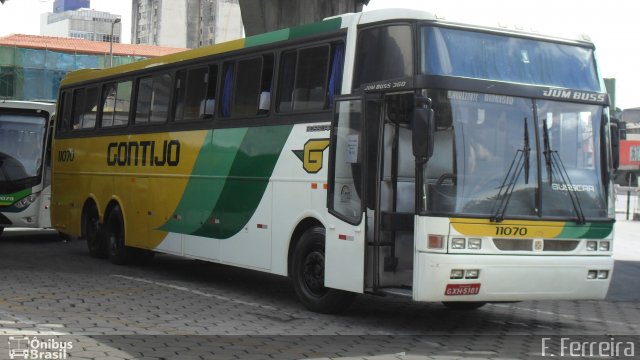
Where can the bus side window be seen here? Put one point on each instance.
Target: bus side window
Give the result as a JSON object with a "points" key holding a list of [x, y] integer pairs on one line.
{"points": [[116, 104], [247, 87], [227, 89], [108, 105], [286, 81], [85, 108], [264, 100], [123, 103], [311, 75], [152, 105], [208, 106], [191, 89], [64, 119], [303, 79]]}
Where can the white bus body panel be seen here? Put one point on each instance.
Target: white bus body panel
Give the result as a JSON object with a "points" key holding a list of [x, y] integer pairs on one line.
{"points": [[344, 255], [503, 277]]}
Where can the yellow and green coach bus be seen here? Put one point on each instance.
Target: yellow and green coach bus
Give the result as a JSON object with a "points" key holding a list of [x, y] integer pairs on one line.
{"points": [[385, 152]]}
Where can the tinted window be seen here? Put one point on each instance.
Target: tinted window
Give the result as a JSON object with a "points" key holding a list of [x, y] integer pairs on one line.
{"points": [[116, 104], [383, 53], [65, 118], [191, 89], [311, 78], [152, 104], [123, 103], [503, 58], [108, 105], [287, 80], [85, 108], [247, 87]]}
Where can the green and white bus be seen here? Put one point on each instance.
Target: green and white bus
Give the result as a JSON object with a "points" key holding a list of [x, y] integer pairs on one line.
{"points": [[25, 168], [384, 152]]}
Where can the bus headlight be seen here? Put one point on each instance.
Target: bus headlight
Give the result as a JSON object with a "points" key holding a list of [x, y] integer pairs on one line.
{"points": [[458, 243], [592, 245], [604, 246], [25, 201], [475, 244]]}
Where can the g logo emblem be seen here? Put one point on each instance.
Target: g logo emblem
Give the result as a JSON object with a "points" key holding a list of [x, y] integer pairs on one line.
{"points": [[312, 155]]}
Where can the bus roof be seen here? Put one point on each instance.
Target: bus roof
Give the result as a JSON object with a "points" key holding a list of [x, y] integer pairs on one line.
{"points": [[328, 25], [34, 105]]}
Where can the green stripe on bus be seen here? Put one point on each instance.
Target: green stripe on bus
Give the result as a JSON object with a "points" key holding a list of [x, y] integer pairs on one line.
{"points": [[228, 181], [293, 33], [9, 199], [267, 38], [587, 231], [207, 180], [247, 181]]}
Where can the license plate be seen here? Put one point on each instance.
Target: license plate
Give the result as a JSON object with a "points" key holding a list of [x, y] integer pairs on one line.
{"points": [[462, 289]]}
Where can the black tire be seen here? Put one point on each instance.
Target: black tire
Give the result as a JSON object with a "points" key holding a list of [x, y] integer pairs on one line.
{"points": [[92, 233], [464, 306], [114, 232], [307, 273]]}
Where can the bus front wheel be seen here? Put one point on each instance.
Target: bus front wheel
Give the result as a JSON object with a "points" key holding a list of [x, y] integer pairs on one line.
{"points": [[114, 230], [308, 275]]}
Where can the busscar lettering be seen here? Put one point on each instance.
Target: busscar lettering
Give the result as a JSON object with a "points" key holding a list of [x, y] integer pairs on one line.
{"points": [[143, 153]]}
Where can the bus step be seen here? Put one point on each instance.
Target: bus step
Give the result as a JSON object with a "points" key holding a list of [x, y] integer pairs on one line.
{"points": [[384, 243], [404, 292]]}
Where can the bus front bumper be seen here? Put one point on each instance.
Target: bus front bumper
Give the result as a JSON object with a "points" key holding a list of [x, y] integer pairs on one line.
{"points": [[510, 278]]}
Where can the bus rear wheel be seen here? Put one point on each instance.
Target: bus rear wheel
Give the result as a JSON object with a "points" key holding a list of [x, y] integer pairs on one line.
{"points": [[91, 233], [308, 275], [117, 252]]}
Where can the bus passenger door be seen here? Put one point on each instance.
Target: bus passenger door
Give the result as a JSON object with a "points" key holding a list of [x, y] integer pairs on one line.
{"points": [[345, 233]]}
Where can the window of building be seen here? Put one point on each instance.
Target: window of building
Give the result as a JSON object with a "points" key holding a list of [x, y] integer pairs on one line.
{"points": [[152, 104], [85, 108], [7, 77]]}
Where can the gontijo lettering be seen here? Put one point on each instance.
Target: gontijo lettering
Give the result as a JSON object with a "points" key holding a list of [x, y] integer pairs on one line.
{"points": [[143, 153]]}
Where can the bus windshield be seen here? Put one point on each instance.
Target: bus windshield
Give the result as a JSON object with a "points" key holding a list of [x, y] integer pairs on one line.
{"points": [[21, 141], [547, 152], [479, 55]]}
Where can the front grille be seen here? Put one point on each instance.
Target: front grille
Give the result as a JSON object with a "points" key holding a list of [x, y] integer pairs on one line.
{"points": [[527, 244]]}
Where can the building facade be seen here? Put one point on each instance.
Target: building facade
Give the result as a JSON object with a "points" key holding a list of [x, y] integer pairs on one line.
{"points": [[189, 23], [81, 24], [31, 66]]}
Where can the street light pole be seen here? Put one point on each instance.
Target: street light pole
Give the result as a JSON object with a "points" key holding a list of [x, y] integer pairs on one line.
{"points": [[113, 24]]}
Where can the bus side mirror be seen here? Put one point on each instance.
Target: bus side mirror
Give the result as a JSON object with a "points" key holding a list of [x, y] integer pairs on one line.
{"points": [[615, 142], [423, 132]]}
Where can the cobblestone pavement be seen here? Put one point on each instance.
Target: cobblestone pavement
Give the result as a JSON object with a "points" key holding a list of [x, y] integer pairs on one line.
{"points": [[55, 293]]}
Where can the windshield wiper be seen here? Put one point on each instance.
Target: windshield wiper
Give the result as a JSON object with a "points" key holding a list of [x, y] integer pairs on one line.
{"points": [[520, 162], [554, 163]]}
